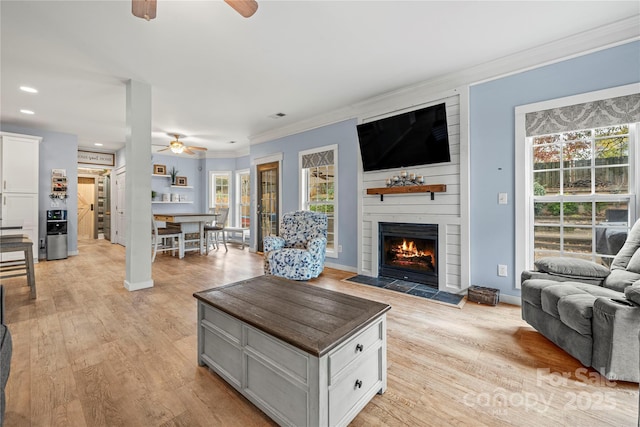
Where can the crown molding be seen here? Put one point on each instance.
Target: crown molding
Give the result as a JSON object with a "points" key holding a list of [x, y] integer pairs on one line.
{"points": [[606, 36], [227, 154]]}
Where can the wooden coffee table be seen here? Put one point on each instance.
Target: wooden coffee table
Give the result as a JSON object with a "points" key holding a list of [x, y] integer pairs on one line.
{"points": [[306, 356]]}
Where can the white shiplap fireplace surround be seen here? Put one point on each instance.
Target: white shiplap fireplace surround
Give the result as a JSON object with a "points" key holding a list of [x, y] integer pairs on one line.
{"points": [[449, 210]]}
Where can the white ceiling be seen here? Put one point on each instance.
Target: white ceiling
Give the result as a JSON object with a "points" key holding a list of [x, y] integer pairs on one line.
{"points": [[217, 77]]}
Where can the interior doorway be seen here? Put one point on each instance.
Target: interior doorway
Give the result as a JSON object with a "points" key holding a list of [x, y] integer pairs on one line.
{"points": [[120, 225], [268, 200], [86, 207]]}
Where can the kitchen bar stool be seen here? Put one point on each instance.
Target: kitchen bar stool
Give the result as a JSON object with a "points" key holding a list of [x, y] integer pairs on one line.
{"points": [[18, 243]]}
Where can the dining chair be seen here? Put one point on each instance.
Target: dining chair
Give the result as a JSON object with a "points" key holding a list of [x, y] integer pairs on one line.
{"points": [[217, 228], [164, 239]]}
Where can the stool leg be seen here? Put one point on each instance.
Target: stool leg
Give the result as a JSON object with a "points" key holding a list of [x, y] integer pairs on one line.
{"points": [[31, 276]]}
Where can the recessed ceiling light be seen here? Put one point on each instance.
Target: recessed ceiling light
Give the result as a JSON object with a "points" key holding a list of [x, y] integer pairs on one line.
{"points": [[277, 115], [232, 142], [27, 112], [28, 89], [97, 144]]}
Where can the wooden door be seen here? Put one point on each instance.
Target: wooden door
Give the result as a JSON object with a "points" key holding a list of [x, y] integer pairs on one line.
{"points": [[86, 208], [120, 223], [268, 199]]}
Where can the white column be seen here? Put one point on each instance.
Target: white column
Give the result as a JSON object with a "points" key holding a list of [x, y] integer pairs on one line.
{"points": [[138, 187]]}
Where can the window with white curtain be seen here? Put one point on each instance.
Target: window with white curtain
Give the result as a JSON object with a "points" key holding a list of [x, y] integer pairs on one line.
{"points": [[318, 185], [576, 176]]}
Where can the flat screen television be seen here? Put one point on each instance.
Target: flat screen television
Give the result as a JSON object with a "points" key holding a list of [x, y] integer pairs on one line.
{"points": [[414, 138]]}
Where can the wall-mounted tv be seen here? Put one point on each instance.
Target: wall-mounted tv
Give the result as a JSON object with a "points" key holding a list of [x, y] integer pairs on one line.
{"points": [[414, 138]]}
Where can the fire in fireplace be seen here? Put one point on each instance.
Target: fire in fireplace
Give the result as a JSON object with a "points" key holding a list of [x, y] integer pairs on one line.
{"points": [[409, 252]]}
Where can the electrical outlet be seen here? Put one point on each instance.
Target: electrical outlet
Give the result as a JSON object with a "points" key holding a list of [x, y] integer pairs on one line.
{"points": [[502, 270], [339, 248], [502, 198]]}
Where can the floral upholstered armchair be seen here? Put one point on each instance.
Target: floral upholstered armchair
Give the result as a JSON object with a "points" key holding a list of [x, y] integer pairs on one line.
{"points": [[299, 252]]}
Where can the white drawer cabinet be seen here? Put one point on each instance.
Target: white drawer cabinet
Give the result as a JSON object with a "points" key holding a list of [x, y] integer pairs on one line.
{"points": [[293, 387], [267, 362]]}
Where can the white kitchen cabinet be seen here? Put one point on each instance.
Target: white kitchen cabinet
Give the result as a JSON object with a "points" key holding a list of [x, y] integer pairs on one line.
{"points": [[19, 171], [19, 167]]}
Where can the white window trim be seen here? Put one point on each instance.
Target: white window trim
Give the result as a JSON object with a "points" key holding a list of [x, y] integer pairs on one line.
{"points": [[237, 196], [211, 190], [331, 253], [523, 159]]}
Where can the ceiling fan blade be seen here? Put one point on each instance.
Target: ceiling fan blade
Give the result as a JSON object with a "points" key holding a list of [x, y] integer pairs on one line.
{"points": [[164, 149], [145, 9], [191, 147], [186, 150], [245, 8]]}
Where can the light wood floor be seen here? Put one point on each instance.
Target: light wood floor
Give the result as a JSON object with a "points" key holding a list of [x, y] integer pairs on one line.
{"points": [[89, 353]]}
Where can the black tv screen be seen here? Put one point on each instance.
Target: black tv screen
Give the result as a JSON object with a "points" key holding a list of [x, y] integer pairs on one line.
{"points": [[415, 138]]}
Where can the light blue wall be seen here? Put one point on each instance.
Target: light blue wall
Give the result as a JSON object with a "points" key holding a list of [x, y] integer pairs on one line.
{"points": [[492, 151], [343, 134], [57, 151], [187, 167]]}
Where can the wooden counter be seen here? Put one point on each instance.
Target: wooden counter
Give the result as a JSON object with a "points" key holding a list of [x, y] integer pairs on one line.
{"points": [[302, 354]]}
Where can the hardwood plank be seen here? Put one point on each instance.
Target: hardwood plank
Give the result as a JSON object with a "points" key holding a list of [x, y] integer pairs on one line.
{"points": [[89, 353]]}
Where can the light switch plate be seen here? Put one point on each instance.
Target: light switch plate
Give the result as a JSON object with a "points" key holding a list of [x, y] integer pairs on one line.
{"points": [[502, 198], [502, 270]]}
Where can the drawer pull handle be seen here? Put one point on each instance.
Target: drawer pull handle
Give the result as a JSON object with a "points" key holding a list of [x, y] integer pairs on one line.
{"points": [[359, 347], [358, 384]]}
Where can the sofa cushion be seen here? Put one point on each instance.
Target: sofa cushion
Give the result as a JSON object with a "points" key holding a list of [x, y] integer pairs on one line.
{"points": [[571, 267], [634, 263], [576, 312], [632, 293], [551, 295], [618, 280], [631, 245], [532, 290]]}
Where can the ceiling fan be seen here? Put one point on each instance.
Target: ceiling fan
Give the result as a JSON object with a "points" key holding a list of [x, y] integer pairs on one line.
{"points": [[146, 9], [176, 146]]}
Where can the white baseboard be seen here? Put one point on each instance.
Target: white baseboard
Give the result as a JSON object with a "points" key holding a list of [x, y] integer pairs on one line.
{"points": [[510, 299], [341, 267]]}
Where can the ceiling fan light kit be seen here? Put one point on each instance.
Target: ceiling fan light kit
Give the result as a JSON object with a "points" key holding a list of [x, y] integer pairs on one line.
{"points": [[146, 9], [177, 147]]}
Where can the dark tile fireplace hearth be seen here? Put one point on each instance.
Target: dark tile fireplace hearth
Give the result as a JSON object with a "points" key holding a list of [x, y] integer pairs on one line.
{"points": [[409, 251]]}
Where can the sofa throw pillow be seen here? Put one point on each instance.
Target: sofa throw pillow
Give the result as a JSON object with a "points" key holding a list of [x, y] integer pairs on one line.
{"points": [[571, 267]]}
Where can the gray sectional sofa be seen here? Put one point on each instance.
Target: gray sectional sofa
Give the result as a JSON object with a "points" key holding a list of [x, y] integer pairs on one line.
{"points": [[5, 355], [590, 311]]}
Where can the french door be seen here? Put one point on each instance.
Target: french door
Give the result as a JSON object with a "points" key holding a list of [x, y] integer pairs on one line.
{"points": [[268, 196]]}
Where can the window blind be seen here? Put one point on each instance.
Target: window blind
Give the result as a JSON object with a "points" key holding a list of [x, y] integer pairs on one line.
{"points": [[321, 158], [605, 112]]}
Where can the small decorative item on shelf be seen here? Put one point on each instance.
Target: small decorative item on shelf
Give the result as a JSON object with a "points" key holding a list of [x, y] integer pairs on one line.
{"points": [[405, 179], [181, 180], [174, 173], [159, 170], [153, 195]]}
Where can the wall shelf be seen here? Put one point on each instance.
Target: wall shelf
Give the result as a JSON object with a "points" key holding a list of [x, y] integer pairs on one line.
{"points": [[161, 176], [433, 188], [182, 186]]}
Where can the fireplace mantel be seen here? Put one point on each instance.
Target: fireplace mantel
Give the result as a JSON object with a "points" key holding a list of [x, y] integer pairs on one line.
{"points": [[432, 188]]}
